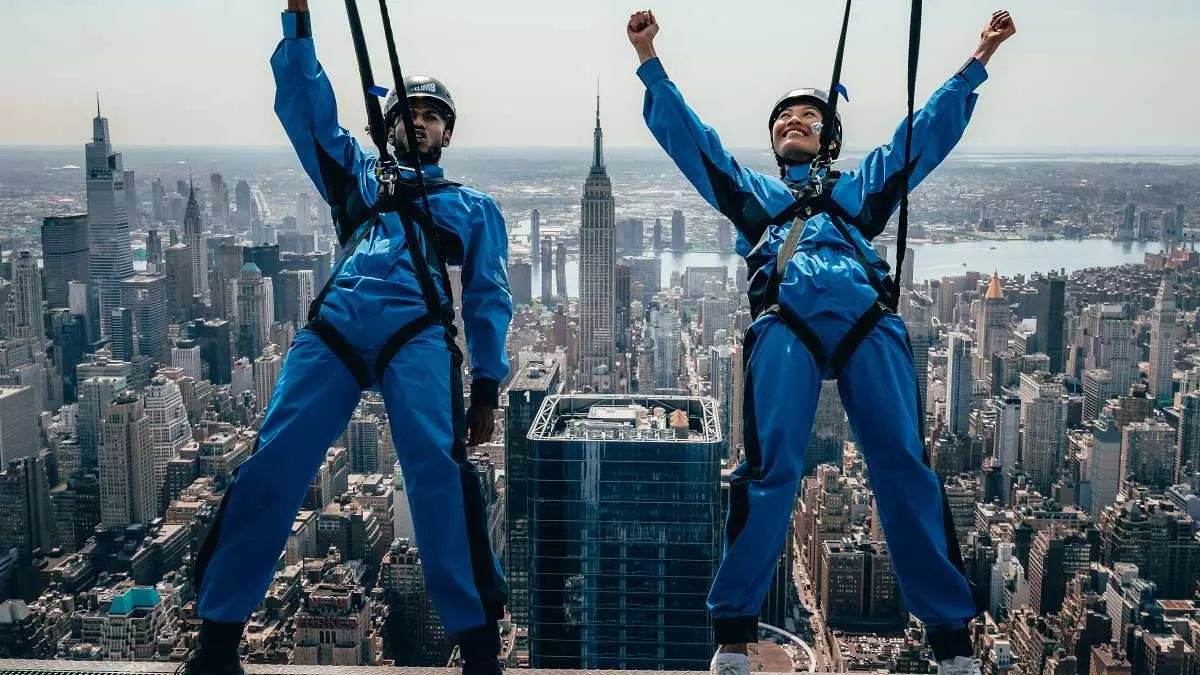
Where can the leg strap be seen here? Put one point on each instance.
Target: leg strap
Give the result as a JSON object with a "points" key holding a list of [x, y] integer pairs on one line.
{"points": [[802, 332], [343, 350], [854, 337], [400, 338]]}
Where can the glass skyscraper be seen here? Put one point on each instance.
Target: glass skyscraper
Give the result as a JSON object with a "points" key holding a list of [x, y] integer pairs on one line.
{"points": [[625, 509]]}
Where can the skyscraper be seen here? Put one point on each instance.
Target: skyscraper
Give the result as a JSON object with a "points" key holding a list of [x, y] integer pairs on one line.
{"points": [[220, 198], [666, 332], [95, 393], [1104, 466], [180, 286], [193, 236], [560, 271], [266, 373], [1187, 440], [677, 237], [534, 381], [127, 494], [1007, 440], [186, 355], [597, 293], [154, 250], [1044, 416], [724, 236], [132, 205], [255, 311], [245, 203], [645, 271], [624, 290], [959, 384], [169, 429], [26, 299], [1097, 390], [266, 258], [1051, 300], [227, 265], [607, 589], [520, 276], [111, 256], [546, 270], [1156, 536], [19, 436], [992, 325], [1162, 342], [26, 514], [296, 294], [64, 255], [919, 318], [830, 430], [535, 234], [362, 440], [147, 297], [1148, 454], [1108, 333], [659, 244], [217, 348], [1056, 555]]}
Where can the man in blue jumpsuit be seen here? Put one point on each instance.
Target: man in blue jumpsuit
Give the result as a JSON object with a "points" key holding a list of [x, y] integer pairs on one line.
{"points": [[832, 285], [374, 305]]}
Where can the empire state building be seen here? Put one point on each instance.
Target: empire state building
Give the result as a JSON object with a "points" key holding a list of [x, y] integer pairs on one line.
{"points": [[597, 263]]}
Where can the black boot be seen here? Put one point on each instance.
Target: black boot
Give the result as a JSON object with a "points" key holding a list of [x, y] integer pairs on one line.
{"points": [[480, 649], [216, 651]]}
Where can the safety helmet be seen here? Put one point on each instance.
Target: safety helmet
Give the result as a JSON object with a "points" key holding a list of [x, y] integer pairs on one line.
{"points": [[420, 87], [818, 98]]}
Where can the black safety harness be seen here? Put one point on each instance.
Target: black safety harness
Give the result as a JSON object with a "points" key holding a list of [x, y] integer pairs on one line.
{"points": [[408, 198], [816, 196]]}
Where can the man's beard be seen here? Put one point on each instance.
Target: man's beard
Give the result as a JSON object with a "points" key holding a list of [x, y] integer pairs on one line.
{"points": [[431, 157]]}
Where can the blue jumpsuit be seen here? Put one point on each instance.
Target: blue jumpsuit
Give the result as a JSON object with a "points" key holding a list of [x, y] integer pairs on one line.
{"points": [[374, 294], [827, 287]]}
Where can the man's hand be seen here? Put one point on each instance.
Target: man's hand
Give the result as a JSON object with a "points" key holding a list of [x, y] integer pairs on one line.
{"points": [[998, 29], [297, 5], [481, 422], [642, 28]]}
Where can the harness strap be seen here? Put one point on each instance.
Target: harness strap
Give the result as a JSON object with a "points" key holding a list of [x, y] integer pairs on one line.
{"points": [[342, 349], [855, 336], [914, 48], [803, 332], [400, 338]]}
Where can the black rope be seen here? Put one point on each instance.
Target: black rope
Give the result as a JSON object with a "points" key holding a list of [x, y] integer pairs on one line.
{"points": [[376, 126], [387, 171], [914, 48], [830, 123], [418, 249]]}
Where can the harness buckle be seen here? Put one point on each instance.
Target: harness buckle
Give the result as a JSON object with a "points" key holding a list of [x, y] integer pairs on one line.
{"points": [[388, 175]]}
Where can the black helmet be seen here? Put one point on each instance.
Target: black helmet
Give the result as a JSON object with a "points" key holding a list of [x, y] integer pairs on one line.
{"points": [[422, 87], [817, 97]]}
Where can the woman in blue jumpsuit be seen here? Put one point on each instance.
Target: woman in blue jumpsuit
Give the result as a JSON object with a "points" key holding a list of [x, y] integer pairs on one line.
{"points": [[374, 296], [829, 284]]}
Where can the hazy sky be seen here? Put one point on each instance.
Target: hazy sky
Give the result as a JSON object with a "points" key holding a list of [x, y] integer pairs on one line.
{"points": [[1079, 74]]}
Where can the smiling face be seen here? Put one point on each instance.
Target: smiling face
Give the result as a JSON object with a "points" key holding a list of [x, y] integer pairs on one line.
{"points": [[792, 134]]}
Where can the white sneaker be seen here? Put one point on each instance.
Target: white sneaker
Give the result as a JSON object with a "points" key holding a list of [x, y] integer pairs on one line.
{"points": [[724, 663], [959, 665]]}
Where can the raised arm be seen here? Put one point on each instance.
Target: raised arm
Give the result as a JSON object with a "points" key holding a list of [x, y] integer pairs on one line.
{"points": [[872, 192], [746, 198], [305, 105]]}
